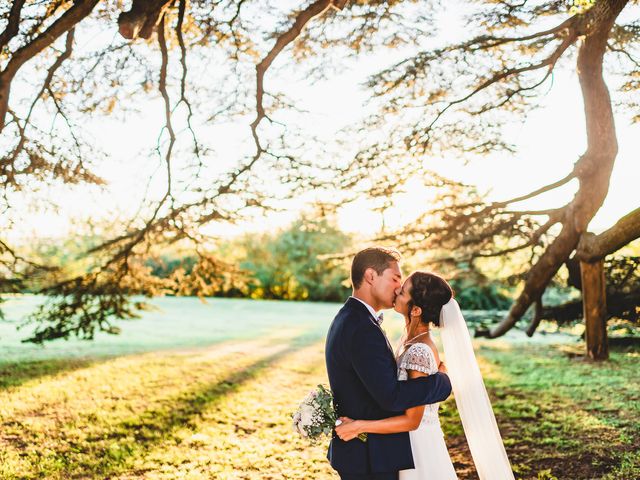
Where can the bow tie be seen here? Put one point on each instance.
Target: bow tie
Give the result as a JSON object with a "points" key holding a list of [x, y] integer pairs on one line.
{"points": [[380, 318]]}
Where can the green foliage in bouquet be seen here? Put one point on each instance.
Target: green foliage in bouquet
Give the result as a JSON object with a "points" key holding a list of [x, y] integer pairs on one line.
{"points": [[316, 416]]}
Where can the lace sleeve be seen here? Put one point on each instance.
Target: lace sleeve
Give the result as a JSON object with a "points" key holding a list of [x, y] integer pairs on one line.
{"points": [[420, 358]]}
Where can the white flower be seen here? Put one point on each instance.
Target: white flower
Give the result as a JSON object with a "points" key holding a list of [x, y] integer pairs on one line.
{"points": [[306, 415], [315, 415]]}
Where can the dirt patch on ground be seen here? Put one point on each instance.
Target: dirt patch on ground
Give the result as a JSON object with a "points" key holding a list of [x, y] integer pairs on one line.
{"points": [[461, 457], [533, 460]]}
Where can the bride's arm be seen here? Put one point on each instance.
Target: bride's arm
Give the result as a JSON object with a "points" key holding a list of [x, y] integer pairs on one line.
{"points": [[410, 420]]}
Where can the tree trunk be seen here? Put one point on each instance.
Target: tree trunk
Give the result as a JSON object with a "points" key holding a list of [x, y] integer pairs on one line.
{"points": [[595, 309], [593, 169]]}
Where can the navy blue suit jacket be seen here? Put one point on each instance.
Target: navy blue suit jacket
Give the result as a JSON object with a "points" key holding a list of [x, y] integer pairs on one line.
{"points": [[363, 373]]}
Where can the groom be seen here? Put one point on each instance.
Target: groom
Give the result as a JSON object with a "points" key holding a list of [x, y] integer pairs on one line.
{"points": [[363, 372]]}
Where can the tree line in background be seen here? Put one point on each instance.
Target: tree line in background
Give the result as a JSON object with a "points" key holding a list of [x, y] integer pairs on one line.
{"points": [[309, 261], [291, 264], [306, 261]]}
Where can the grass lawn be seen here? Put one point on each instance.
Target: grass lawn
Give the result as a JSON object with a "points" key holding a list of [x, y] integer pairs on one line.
{"points": [[560, 416], [223, 412]]}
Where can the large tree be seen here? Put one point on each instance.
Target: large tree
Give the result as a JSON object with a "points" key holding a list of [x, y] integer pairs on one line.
{"points": [[458, 97], [453, 97], [516, 54]]}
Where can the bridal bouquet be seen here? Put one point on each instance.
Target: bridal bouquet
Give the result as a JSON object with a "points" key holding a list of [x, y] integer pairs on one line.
{"points": [[316, 416]]}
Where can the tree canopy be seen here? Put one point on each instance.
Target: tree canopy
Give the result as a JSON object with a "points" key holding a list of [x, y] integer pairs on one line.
{"points": [[211, 61]]}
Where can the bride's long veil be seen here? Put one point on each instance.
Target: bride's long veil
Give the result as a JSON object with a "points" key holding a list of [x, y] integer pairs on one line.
{"points": [[473, 403]]}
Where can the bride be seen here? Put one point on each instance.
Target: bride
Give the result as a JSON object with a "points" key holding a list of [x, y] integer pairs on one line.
{"points": [[426, 299]]}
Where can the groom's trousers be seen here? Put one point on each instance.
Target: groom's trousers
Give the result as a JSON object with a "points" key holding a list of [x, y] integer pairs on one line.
{"points": [[370, 476]]}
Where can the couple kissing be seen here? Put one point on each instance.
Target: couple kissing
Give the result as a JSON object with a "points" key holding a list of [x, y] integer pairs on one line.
{"points": [[392, 397]]}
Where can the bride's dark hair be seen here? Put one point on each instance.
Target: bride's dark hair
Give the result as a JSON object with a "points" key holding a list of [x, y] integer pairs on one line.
{"points": [[430, 292]]}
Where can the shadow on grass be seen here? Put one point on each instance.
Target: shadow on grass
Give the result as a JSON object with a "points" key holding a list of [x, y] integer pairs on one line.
{"points": [[624, 344], [14, 374], [110, 452]]}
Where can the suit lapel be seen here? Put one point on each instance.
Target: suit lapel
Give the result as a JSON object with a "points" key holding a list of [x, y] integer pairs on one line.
{"points": [[360, 308]]}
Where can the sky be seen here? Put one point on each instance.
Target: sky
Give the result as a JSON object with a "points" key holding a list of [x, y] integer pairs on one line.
{"points": [[548, 143]]}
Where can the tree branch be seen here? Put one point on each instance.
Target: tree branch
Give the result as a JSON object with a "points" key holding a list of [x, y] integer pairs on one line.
{"points": [[142, 19], [482, 42], [131, 239], [539, 191], [162, 86], [78, 11], [537, 317], [538, 278], [183, 79], [13, 24], [592, 248], [625, 53], [45, 87], [549, 62], [315, 9]]}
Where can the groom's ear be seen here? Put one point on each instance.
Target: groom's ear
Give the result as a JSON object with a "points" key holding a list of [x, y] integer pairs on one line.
{"points": [[369, 274]]}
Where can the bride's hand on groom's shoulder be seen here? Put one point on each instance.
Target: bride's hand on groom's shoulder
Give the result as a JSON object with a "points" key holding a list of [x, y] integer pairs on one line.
{"points": [[347, 429]]}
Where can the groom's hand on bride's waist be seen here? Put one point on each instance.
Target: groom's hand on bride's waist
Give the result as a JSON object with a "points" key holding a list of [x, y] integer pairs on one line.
{"points": [[442, 368]]}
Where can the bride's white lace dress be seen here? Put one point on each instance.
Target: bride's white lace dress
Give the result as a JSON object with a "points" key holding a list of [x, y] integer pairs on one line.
{"points": [[430, 453]]}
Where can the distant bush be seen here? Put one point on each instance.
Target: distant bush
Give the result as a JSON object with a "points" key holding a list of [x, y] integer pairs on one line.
{"points": [[291, 265], [481, 296]]}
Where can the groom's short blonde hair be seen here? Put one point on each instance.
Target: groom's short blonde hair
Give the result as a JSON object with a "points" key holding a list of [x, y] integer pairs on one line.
{"points": [[378, 258]]}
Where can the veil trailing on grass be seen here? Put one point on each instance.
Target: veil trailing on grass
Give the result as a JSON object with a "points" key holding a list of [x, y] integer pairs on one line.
{"points": [[473, 403]]}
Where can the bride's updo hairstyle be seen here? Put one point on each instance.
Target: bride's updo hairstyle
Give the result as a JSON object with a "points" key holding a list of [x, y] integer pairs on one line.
{"points": [[430, 292]]}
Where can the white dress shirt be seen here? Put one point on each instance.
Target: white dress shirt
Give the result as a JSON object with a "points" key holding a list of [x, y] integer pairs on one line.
{"points": [[369, 307]]}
